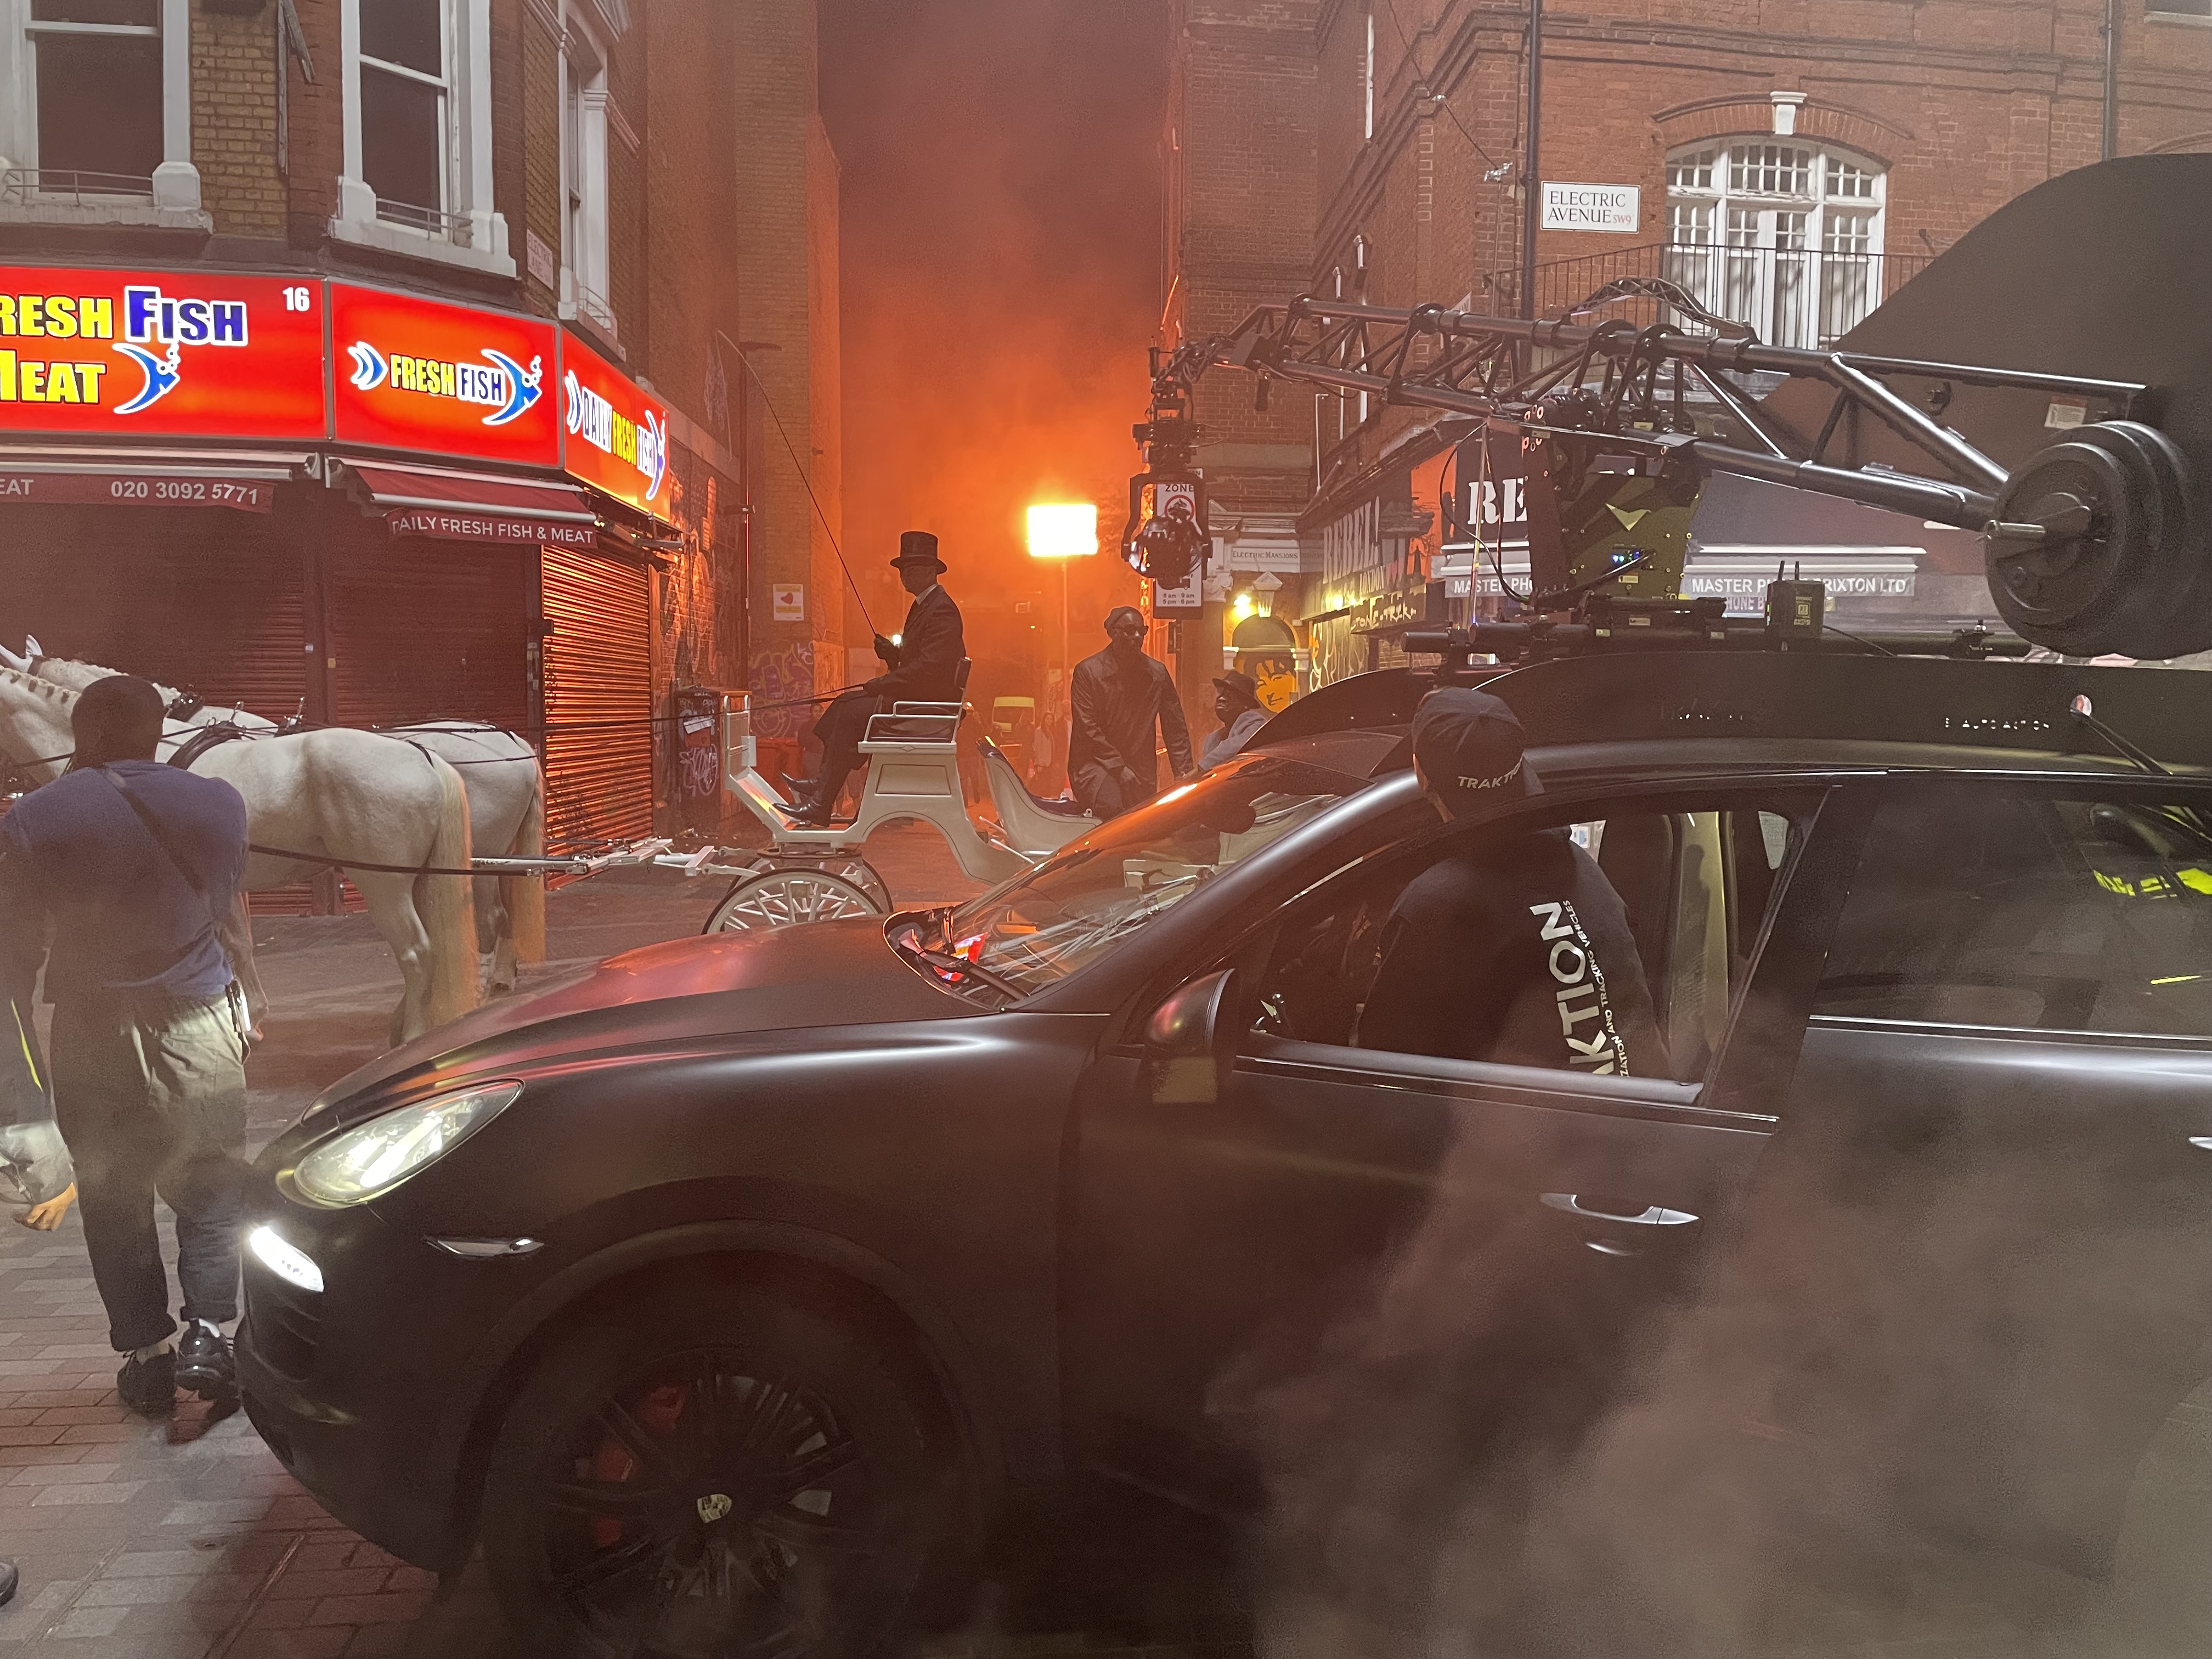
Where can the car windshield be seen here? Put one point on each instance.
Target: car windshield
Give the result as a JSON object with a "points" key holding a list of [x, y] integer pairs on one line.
{"points": [[1054, 919]]}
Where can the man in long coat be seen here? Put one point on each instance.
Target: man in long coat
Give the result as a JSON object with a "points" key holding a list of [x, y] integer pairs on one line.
{"points": [[1119, 697]]}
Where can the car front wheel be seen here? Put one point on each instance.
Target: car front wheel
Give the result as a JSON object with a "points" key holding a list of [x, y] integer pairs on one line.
{"points": [[710, 1474]]}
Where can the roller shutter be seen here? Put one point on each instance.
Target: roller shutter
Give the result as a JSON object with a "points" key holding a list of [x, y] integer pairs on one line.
{"points": [[202, 598], [599, 699], [426, 631]]}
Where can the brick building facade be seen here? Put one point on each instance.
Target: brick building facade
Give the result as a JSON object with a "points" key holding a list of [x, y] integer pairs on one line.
{"points": [[1790, 164], [645, 182]]}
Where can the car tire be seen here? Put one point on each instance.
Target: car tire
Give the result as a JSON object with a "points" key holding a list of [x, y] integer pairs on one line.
{"points": [[794, 1516]]}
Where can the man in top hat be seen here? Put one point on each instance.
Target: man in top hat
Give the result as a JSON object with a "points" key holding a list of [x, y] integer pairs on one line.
{"points": [[922, 666], [1237, 706]]}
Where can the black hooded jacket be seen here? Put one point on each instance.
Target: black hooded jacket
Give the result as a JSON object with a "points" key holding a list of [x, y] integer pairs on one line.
{"points": [[1516, 953]]}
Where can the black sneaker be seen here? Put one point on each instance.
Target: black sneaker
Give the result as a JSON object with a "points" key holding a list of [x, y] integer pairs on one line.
{"points": [[204, 1365], [148, 1386]]}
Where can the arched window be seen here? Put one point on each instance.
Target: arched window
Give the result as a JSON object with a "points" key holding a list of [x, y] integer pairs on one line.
{"points": [[1784, 236]]}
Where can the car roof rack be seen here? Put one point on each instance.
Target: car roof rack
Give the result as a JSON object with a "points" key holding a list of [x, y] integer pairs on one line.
{"points": [[1806, 696]]}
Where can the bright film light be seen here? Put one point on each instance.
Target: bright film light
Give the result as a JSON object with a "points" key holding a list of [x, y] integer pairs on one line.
{"points": [[1064, 532], [293, 1267], [371, 1158]]}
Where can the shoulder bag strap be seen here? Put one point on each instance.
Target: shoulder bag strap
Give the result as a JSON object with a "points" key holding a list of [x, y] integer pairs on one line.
{"points": [[161, 839]]}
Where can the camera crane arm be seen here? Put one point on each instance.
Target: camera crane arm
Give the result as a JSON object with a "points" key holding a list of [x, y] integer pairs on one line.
{"points": [[1465, 363]]}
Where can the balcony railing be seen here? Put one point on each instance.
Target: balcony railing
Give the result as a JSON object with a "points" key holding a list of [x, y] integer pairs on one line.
{"points": [[1803, 297], [30, 186], [452, 227]]}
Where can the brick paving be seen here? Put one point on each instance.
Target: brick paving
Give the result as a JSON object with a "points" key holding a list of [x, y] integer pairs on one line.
{"points": [[185, 1539]]}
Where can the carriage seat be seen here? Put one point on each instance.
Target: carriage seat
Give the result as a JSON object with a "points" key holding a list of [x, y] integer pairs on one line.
{"points": [[1060, 806], [923, 722]]}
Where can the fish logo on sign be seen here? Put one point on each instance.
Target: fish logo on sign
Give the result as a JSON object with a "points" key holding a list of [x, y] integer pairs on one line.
{"points": [[369, 368], [151, 319], [505, 388]]}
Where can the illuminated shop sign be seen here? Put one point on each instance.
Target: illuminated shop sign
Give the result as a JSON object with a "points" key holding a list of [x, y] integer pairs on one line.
{"points": [[616, 434], [441, 380], [122, 354]]}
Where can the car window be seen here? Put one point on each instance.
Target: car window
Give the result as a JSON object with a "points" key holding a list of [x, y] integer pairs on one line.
{"points": [[1613, 944], [1050, 921], [1978, 905]]}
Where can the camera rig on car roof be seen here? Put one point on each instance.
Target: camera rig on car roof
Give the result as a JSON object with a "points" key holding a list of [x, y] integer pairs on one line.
{"points": [[2094, 539]]}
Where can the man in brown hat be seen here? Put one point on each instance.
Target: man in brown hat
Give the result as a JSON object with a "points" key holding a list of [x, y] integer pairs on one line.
{"points": [[1237, 706], [922, 666]]}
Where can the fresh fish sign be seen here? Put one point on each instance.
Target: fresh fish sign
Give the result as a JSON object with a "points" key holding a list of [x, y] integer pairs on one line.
{"points": [[165, 354], [443, 379]]}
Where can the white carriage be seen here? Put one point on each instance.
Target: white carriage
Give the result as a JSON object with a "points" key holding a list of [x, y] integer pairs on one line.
{"points": [[913, 757]]}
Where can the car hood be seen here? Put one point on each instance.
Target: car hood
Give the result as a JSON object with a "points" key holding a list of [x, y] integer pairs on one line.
{"points": [[825, 973]]}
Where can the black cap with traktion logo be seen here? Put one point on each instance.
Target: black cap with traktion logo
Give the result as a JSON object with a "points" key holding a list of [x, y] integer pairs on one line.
{"points": [[1469, 745]]}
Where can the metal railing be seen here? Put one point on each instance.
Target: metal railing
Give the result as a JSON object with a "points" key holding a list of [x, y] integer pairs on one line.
{"points": [[452, 227], [1806, 298], [44, 187]]}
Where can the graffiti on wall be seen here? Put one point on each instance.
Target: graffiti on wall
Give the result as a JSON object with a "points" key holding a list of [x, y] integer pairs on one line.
{"points": [[698, 601], [783, 674]]}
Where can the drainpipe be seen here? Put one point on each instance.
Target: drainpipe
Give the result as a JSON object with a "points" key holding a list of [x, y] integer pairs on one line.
{"points": [[1532, 176], [2111, 136]]}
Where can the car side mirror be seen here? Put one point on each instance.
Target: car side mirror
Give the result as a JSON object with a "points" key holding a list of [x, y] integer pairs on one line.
{"points": [[1190, 1042]]}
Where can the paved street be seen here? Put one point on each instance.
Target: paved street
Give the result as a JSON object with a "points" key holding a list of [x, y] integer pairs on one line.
{"points": [[185, 1540]]}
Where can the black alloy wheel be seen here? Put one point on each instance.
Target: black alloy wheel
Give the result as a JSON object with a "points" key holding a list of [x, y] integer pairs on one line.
{"points": [[715, 1475]]}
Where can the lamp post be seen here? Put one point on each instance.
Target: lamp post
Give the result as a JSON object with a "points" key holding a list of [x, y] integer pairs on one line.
{"points": [[1060, 531]]}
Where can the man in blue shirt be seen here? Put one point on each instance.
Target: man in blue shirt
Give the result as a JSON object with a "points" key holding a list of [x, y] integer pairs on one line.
{"points": [[132, 864]]}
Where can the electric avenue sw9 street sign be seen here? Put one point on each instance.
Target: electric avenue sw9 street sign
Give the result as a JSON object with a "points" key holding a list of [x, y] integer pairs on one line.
{"points": [[443, 379], [128, 353], [616, 435]]}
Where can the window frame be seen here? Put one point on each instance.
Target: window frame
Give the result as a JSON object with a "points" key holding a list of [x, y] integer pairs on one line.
{"points": [[174, 196], [587, 255], [1718, 266], [1565, 804], [471, 233], [2114, 786]]}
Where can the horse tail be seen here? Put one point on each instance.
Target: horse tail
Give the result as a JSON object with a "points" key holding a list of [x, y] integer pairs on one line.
{"points": [[526, 894], [447, 905]]}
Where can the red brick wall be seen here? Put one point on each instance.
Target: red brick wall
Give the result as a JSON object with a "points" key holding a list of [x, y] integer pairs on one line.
{"points": [[1242, 124], [317, 126]]}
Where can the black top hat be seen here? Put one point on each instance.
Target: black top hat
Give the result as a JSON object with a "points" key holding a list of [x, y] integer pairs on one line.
{"points": [[918, 547]]}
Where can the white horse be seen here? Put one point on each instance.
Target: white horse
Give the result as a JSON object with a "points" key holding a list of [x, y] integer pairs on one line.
{"points": [[353, 797], [506, 804]]}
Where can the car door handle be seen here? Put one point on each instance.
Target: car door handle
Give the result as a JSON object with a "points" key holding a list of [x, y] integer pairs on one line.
{"points": [[1654, 1216]]}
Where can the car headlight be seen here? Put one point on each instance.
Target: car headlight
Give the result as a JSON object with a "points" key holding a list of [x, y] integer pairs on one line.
{"points": [[371, 1158]]}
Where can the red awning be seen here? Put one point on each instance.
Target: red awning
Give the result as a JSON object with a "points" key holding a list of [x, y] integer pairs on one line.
{"points": [[478, 506], [244, 481]]}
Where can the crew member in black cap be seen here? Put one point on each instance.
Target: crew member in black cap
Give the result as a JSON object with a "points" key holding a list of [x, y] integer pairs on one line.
{"points": [[1237, 706], [1117, 700], [922, 666], [1517, 949]]}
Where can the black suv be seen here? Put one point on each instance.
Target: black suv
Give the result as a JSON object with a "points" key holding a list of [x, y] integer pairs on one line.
{"points": [[725, 1292]]}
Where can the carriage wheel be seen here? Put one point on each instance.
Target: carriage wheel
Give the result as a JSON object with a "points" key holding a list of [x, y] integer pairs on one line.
{"points": [[786, 898], [862, 874]]}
